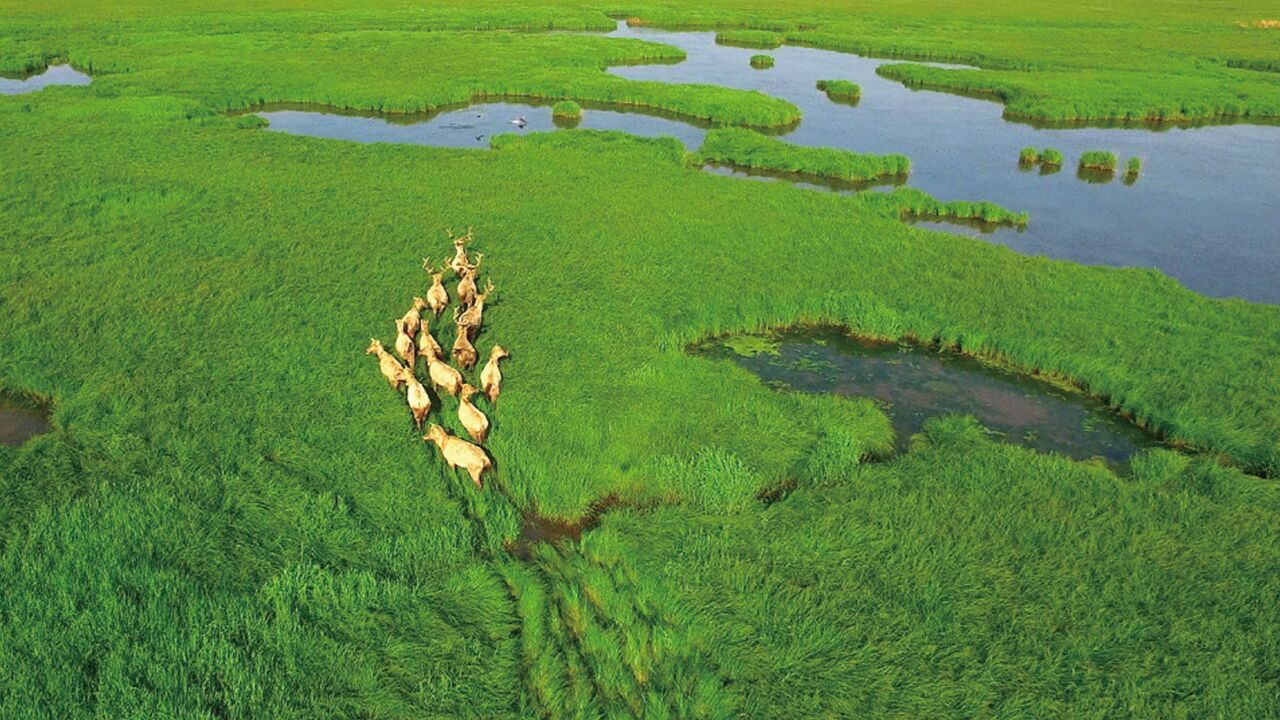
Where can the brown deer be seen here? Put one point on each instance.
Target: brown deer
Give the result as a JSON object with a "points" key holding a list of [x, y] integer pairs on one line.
{"points": [[459, 260], [437, 296], [425, 340], [390, 368], [413, 317], [442, 376], [464, 353], [467, 282], [459, 453], [404, 345], [419, 400], [472, 419], [474, 315], [491, 375]]}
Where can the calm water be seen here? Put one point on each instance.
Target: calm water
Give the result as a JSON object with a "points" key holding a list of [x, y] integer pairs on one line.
{"points": [[1204, 209], [19, 421], [52, 75], [914, 385]]}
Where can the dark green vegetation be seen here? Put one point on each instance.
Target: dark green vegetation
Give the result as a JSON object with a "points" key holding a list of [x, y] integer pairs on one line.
{"points": [[910, 202], [761, 62], [566, 109], [840, 90], [762, 39], [746, 148], [1102, 160], [233, 517]]}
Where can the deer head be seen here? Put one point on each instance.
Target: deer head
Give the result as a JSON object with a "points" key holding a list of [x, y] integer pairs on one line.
{"points": [[375, 347]]}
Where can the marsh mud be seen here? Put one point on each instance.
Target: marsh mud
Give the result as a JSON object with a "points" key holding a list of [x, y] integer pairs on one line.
{"points": [[914, 384], [20, 420], [538, 528], [52, 75]]}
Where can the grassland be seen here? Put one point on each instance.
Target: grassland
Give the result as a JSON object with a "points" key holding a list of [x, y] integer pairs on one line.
{"points": [[234, 517]]}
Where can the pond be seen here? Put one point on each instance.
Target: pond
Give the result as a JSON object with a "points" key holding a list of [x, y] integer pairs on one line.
{"points": [[52, 75], [1201, 210], [914, 384], [20, 421]]}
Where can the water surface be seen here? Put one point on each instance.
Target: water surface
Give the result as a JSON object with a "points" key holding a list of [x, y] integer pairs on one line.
{"points": [[52, 75], [914, 384]]}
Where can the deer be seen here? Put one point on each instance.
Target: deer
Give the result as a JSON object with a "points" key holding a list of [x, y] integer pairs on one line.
{"points": [[437, 296], [413, 317], [390, 368], [491, 375], [467, 282], [474, 315], [464, 353], [459, 260], [459, 453], [404, 345], [469, 415], [419, 400], [425, 340], [442, 376]]}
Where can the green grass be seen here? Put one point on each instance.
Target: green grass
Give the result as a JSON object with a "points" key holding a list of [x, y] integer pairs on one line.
{"points": [[761, 62], [1098, 160], [233, 516], [840, 90], [1133, 167], [911, 202], [1051, 157], [566, 109], [761, 39], [746, 148], [1029, 156]]}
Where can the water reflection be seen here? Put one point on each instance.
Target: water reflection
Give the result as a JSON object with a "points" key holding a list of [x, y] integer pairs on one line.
{"points": [[52, 75]]}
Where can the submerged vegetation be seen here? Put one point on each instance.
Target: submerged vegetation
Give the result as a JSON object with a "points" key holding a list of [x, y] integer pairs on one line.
{"points": [[761, 62], [238, 522], [746, 148], [841, 90]]}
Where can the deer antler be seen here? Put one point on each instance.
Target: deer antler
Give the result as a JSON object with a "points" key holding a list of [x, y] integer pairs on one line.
{"points": [[426, 265], [488, 287]]}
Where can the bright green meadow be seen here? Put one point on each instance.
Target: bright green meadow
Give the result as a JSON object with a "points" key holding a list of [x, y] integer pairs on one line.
{"points": [[233, 516]]}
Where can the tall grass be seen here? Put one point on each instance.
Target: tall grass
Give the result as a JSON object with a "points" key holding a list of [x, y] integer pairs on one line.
{"points": [[760, 39], [761, 62], [1102, 160], [840, 90], [745, 148], [915, 203]]}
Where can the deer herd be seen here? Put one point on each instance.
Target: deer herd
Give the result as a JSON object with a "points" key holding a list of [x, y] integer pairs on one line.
{"points": [[414, 341]]}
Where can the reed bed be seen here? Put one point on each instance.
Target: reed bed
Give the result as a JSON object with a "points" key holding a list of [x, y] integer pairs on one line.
{"points": [[840, 90], [1100, 160], [761, 62], [746, 148]]}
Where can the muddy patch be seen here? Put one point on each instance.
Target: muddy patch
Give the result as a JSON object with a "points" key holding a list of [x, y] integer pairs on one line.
{"points": [[20, 420], [914, 384], [537, 529]]}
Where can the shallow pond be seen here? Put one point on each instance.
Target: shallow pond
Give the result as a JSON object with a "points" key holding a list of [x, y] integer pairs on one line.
{"points": [[914, 384], [52, 75], [1201, 211], [20, 421]]}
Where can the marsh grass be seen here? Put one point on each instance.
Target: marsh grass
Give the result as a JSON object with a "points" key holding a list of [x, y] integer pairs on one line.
{"points": [[1133, 168], [1100, 160], [746, 148], [1028, 156], [758, 39], [567, 110], [761, 62], [1051, 157], [845, 91]]}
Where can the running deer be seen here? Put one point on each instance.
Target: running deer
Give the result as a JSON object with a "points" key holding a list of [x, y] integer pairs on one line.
{"points": [[404, 345], [413, 317], [459, 260], [469, 415], [442, 376], [426, 341], [419, 400], [437, 296], [467, 282], [464, 353], [459, 453], [474, 315], [390, 368], [491, 375]]}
